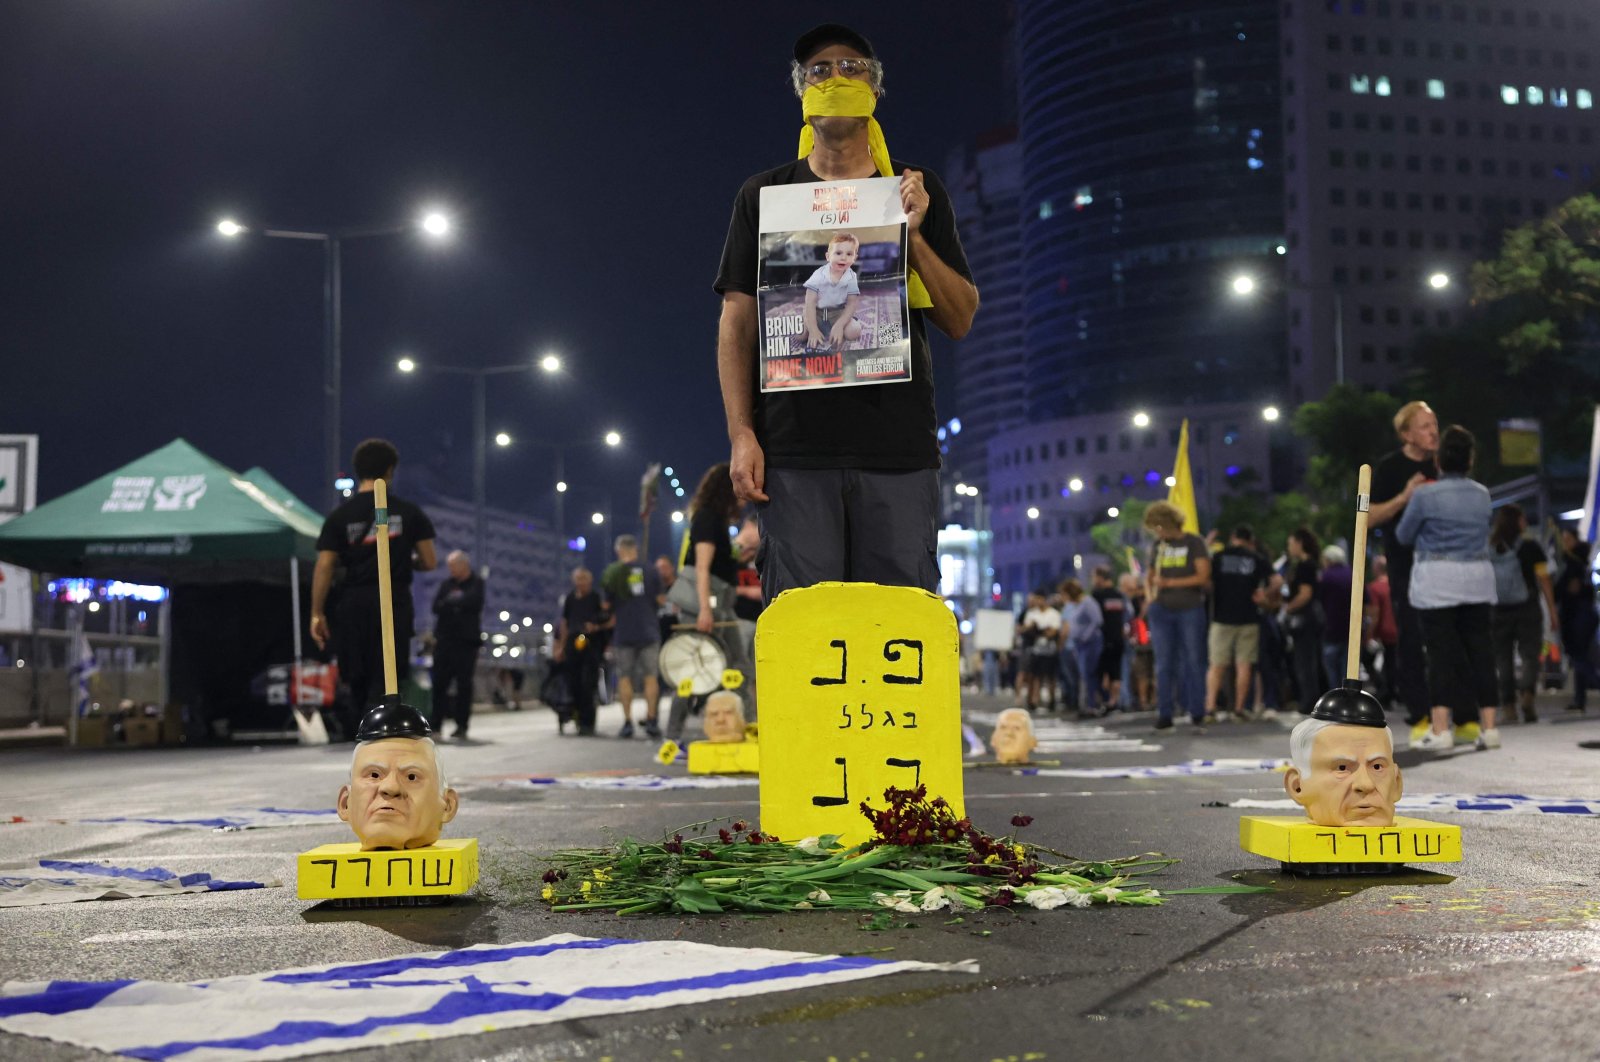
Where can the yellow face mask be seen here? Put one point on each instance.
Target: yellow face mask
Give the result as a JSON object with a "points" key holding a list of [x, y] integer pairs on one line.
{"points": [[849, 98]]}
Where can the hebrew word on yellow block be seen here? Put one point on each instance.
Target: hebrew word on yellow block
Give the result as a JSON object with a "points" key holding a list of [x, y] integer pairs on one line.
{"points": [[724, 757], [1294, 840], [860, 691], [448, 867]]}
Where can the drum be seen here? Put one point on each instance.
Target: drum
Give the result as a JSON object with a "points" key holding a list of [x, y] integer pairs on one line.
{"points": [[696, 657]]}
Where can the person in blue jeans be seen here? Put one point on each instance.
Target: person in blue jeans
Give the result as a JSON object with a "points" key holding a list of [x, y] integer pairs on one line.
{"points": [[1080, 615], [1178, 579]]}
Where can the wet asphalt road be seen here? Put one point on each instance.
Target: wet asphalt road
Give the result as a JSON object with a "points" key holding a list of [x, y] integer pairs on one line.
{"points": [[1498, 958]]}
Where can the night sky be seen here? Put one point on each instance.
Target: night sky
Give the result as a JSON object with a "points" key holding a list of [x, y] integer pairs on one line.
{"points": [[589, 153]]}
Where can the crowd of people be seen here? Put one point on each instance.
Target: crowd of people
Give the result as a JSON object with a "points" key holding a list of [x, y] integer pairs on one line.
{"points": [[1455, 617]]}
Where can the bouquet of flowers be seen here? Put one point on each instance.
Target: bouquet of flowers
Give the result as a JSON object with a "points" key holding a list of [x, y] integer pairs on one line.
{"points": [[920, 858]]}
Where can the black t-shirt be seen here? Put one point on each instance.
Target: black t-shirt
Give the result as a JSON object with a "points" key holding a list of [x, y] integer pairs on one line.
{"points": [[888, 426], [458, 610], [1237, 572], [579, 611], [712, 527], [1304, 573], [1389, 478], [1113, 613], [348, 532]]}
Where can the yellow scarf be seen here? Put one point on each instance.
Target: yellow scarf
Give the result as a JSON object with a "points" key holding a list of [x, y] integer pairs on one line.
{"points": [[843, 96]]}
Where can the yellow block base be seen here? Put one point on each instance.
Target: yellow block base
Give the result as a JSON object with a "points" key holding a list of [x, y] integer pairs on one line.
{"points": [[724, 757], [1294, 840], [345, 872]]}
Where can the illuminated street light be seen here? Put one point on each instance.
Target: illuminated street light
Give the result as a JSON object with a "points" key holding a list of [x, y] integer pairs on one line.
{"points": [[1439, 281], [230, 228], [550, 363], [1033, 512], [961, 489], [677, 516], [1141, 420], [598, 518], [1075, 484], [561, 487], [502, 439], [1171, 481], [504, 616], [406, 365], [527, 621], [1244, 284], [1113, 512], [435, 224], [613, 438], [1270, 414]]}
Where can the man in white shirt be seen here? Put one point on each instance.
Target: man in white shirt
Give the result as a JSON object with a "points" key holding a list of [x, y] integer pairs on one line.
{"points": [[1039, 635]]}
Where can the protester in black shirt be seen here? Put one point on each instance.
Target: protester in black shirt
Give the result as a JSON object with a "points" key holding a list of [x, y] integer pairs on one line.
{"points": [[849, 474], [1579, 620], [1394, 477], [709, 549], [1304, 618], [457, 633], [1114, 616], [347, 543], [1238, 574], [578, 648]]}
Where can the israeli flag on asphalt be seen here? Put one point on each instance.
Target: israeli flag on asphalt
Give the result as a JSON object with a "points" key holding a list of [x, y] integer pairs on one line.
{"points": [[1515, 803], [62, 881], [479, 989], [235, 819], [1187, 769]]}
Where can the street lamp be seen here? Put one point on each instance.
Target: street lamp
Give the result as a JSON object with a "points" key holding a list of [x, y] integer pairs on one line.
{"points": [[480, 434], [1075, 484], [1439, 281], [1270, 414], [434, 224], [1033, 512], [613, 438], [1141, 420], [561, 487], [550, 363], [1113, 512], [597, 519], [1243, 284]]}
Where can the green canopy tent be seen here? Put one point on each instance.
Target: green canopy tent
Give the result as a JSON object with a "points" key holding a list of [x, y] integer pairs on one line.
{"points": [[171, 516], [178, 518]]}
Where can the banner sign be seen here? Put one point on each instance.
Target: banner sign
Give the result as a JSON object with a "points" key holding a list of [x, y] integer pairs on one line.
{"points": [[832, 283]]}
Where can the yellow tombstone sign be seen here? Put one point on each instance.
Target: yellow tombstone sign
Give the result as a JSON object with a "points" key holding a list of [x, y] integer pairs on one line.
{"points": [[860, 691]]}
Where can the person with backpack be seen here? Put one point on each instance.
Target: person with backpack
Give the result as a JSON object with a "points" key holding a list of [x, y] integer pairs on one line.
{"points": [[1521, 581]]}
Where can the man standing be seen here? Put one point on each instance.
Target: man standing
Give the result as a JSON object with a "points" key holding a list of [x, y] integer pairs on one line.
{"points": [[583, 616], [1240, 574], [1179, 577], [1039, 634], [1393, 479], [348, 543], [847, 477], [633, 593], [457, 633], [1113, 637]]}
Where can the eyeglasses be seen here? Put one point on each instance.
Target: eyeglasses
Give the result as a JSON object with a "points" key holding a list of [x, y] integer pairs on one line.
{"points": [[868, 69]]}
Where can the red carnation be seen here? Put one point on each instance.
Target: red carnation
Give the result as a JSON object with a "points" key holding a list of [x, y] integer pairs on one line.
{"points": [[1021, 820]]}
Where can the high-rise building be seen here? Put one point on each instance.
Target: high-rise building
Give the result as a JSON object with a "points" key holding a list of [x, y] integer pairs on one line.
{"points": [[985, 182], [1415, 133], [1151, 153]]}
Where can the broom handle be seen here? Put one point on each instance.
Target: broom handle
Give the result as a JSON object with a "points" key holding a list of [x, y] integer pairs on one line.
{"points": [[1358, 576], [380, 528]]}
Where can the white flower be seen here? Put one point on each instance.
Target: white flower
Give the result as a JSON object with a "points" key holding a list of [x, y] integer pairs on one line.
{"points": [[809, 845], [1049, 897], [899, 900], [820, 895], [935, 899], [1109, 894]]}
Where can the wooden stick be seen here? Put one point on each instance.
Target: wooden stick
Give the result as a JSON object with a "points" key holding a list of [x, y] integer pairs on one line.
{"points": [[1358, 577], [380, 528]]}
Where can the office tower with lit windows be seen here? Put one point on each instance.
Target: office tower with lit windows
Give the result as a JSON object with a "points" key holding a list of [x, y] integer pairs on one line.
{"points": [[985, 181], [1151, 174], [1415, 133]]}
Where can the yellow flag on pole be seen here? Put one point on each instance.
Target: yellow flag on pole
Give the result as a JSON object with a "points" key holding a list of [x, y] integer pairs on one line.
{"points": [[1182, 492]]}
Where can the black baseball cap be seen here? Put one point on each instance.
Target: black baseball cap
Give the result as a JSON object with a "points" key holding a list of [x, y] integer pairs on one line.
{"points": [[814, 40]]}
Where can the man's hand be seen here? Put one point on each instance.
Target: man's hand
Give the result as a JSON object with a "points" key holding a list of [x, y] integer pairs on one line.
{"points": [[748, 466], [704, 623], [319, 629], [913, 198], [1417, 479]]}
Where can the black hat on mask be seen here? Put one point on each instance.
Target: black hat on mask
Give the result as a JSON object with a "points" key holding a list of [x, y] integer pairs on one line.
{"points": [[391, 719], [814, 40]]}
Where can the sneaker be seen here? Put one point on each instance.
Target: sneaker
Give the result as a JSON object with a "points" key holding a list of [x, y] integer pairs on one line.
{"points": [[1435, 742], [1163, 724], [1488, 739], [1419, 728], [627, 730], [652, 730], [1467, 733]]}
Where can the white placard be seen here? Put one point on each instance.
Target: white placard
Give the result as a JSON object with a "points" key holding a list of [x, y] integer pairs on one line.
{"points": [[995, 628]]}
